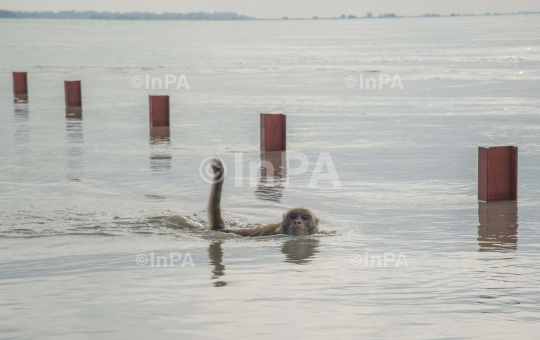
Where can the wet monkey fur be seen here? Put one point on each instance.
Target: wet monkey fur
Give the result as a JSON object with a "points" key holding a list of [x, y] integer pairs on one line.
{"points": [[297, 221]]}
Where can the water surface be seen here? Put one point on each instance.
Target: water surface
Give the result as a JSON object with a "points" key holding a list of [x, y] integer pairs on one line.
{"points": [[84, 193]]}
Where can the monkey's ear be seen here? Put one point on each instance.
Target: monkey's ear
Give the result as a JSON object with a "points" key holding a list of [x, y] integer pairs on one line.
{"points": [[284, 221], [316, 220]]}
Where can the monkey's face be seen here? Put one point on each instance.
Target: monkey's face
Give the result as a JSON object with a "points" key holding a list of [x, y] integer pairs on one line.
{"points": [[299, 222]]}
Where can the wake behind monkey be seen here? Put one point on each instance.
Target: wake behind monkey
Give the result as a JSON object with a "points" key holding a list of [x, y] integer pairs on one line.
{"points": [[297, 221]]}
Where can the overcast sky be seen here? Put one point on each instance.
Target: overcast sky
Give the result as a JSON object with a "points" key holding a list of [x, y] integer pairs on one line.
{"points": [[280, 8]]}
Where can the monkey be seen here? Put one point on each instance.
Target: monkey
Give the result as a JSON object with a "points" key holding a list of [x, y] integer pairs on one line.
{"points": [[297, 221]]}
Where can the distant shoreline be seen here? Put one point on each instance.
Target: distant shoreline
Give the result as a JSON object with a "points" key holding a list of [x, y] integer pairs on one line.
{"points": [[92, 15]]}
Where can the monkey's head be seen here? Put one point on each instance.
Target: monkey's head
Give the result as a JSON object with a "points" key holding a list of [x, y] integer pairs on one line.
{"points": [[299, 221]]}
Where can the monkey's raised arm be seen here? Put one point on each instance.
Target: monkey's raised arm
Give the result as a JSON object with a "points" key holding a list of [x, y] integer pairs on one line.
{"points": [[297, 221], [215, 221]]}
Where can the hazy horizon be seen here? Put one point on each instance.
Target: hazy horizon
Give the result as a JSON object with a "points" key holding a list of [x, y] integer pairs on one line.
{"points": [[281, 8]]}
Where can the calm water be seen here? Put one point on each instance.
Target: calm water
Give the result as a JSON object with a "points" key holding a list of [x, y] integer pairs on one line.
{"points": [[81, 196]]}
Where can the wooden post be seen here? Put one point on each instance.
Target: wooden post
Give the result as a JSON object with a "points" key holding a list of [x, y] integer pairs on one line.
{"points": [[273, 132], [497, 173], [20, 84], [73, 93], [159, 110]]}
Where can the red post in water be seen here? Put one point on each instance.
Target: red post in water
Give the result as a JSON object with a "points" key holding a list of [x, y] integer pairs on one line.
{"points": [[73, 93], [20, 85], [159, 110], [273, 132], [497, 173]]}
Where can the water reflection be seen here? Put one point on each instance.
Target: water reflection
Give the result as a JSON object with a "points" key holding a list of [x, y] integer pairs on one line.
{"points": [[215, 255], [22, 128], [75, 139], [74, 113], [498, 226], [273, 174], [20, 98], [160, 164], [160, 158], [300, 251], [160, 134], [155, 197], [297, 251]]}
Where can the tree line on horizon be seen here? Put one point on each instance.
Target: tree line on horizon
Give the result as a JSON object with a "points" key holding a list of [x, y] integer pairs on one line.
{"points": [[188, 16], [123, 16]]}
